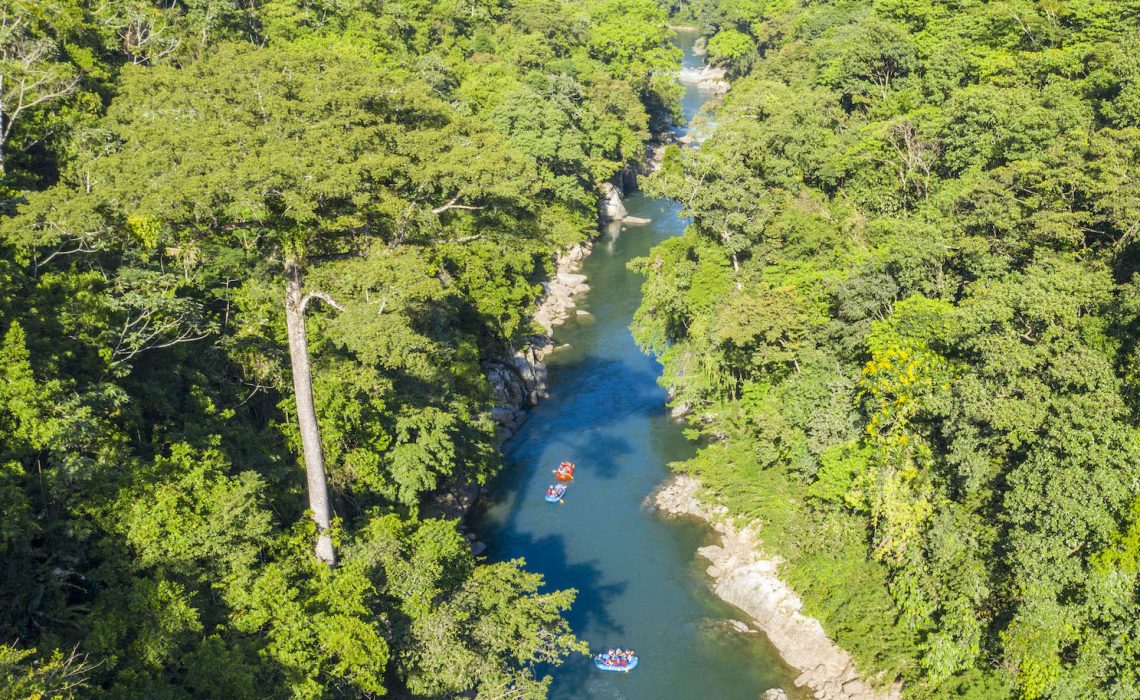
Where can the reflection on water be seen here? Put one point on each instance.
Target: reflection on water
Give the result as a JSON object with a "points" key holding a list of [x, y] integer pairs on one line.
{"points": [[638, 580]]}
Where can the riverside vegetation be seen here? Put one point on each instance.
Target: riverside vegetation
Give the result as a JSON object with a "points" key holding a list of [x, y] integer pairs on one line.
{"points": [[904, 319], [254, 259]]}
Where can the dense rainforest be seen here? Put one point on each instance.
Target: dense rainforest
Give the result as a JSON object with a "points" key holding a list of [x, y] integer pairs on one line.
{"points": [[905, 321], [255, 256]]}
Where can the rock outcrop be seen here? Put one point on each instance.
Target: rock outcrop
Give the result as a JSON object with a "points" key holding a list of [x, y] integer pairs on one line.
{"points": [[452, 502], [751, 582], [611, 205], [655, 151], [518, 383]]}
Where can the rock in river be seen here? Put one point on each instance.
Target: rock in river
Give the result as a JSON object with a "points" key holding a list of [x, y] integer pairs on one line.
{"points": [[612, 207]]}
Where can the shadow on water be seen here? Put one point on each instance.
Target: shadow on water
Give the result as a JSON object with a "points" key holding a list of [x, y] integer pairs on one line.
{"points": [[638, 578], [547, 554]]}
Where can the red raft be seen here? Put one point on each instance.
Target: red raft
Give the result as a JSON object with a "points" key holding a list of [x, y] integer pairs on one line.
{"points": [[564, 471]]}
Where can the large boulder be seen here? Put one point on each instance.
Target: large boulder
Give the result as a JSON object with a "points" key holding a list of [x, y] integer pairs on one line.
{"points": [[572, 280], [611, 205], [680, 410]]}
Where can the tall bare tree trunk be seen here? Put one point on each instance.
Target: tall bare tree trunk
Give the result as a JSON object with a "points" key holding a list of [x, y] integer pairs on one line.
{"points": [[306, 413], [3, 128]]}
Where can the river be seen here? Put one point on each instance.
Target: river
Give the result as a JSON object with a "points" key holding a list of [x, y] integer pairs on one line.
{"points": [[638, 578]]}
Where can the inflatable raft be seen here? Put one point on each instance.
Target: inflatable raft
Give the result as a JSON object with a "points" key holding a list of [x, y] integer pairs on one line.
{"points": [[556, 494], [600, 662], [564, 472]]}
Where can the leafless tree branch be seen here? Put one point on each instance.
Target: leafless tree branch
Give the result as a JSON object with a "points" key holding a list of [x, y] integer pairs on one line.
{"points": [[323, 297], [452, 204]]}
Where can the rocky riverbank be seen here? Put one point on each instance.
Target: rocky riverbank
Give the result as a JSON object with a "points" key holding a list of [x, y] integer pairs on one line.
{"points": [[751, 582], [519, 382]]}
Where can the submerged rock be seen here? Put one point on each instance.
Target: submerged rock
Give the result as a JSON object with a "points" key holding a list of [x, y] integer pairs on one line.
{"points": [[774, 694], [636, 221], [741, 627], [720, 627]]}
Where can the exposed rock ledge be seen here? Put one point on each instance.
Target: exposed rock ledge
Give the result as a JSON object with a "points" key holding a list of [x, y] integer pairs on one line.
{"points": [[750, 582]]}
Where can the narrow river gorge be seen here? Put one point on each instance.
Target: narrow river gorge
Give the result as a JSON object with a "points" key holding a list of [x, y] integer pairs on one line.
{"points": [[639, 580]]}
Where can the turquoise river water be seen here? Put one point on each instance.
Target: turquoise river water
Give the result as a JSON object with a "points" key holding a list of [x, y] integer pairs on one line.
{"points": [[639, 581]]}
